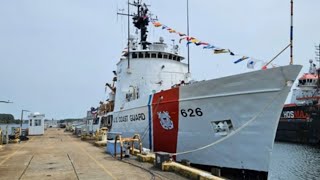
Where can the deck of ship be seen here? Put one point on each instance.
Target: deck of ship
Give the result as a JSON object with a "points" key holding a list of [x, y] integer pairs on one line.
{"points": [[60, 155]]}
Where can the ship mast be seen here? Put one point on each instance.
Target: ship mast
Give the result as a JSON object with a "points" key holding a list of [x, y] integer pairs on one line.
{"points": [[188, 36], [128, 35], [291, 35], [140, 21]]}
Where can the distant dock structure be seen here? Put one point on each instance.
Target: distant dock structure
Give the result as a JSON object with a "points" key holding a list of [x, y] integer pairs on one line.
{"points": [[36, 123]]}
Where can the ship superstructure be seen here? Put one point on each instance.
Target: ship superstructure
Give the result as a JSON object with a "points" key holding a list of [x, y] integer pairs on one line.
{"points": [[300, 119]]}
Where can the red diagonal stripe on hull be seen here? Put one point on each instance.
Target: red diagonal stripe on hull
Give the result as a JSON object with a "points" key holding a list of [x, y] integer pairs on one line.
{"points": [[165, 140]]}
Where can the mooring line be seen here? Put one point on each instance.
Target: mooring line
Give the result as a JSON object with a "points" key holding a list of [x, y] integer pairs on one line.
{"points": [[74, 169], [25, 169]]}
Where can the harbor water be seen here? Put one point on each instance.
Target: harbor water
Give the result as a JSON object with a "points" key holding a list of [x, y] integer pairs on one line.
{"points": [[294, 162]]}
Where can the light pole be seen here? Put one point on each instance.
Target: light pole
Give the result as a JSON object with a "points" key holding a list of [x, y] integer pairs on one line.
{"points": [[23, 110]]}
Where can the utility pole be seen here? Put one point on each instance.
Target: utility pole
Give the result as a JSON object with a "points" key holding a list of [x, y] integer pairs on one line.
{"points": [[22, 119]]}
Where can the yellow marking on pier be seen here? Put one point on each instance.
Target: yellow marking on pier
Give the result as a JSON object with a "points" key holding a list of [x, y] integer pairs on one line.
{"points": [[99, 164]]}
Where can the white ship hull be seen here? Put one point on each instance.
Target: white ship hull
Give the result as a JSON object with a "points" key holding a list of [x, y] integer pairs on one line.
{"points": [[229, 122]]}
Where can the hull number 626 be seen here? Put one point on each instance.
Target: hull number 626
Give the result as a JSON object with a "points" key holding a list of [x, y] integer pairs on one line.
{"points": [[191, 112]]}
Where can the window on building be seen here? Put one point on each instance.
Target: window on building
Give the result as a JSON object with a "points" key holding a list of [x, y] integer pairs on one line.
{"points": [[37, 122], [30, 122]]}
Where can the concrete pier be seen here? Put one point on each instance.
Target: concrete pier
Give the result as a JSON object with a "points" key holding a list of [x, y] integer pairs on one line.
{"points": [[59, 155]]}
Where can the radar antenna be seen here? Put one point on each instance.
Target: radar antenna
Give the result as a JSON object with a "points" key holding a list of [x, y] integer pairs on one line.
{"points": [[140, 21]]}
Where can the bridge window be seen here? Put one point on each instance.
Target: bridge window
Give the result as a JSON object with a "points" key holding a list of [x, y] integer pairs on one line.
{"points": [[160, 55], [170, 56], [174, 57], [134, 56], [153, 55], [147, 55], [165, 56], [140, 55]]}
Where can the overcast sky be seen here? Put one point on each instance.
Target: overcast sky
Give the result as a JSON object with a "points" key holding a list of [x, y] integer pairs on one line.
{"points": [[56, 55]]}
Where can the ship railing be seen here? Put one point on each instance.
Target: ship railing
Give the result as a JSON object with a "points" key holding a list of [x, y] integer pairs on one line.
{"points": [[129, 141]]}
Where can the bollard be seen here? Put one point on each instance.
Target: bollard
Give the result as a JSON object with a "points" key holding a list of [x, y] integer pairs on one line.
{"points": [[161, 157]]}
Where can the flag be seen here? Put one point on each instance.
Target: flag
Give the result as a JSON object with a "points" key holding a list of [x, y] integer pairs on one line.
{"points": [[172, 31], [241, 59], [201, 43], [189, 38], [264, 67], [251, 63], [204, 43], [231, 53], [94, 110], [157, 24], [182, 39], [220, 51], [181, 34], [152, 20], [194, 40], [209, 47]]}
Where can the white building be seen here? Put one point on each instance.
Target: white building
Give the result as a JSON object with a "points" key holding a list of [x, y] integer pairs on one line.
{"points": [[36, 124]]}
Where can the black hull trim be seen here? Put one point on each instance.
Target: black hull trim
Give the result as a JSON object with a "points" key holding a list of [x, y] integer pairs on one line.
{"points": [[237, 174], [299, 124]]}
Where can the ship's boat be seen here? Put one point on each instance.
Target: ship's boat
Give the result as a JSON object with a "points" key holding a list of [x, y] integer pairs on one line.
{"points": [[227, 123], [300, 119]]}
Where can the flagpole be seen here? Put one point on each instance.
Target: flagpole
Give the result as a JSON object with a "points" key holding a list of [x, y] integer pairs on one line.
{"points": [[128, 34], [291, 35], [188, 35]]}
